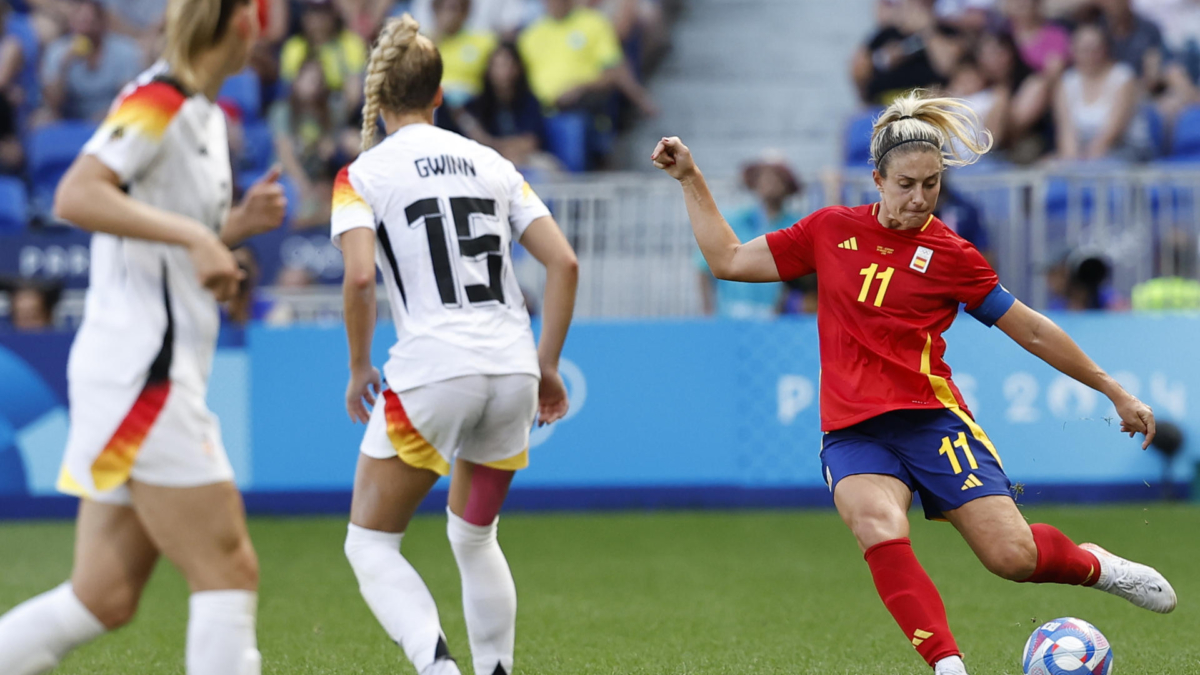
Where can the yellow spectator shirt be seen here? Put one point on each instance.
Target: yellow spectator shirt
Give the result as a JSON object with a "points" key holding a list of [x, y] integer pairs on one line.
{"points": [[563, 55], [344, 56], [464, 60]]}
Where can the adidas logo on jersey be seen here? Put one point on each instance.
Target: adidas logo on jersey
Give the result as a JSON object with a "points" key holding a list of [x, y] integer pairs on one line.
{"points": [[972, 481], [850, 244], [920, 636]]}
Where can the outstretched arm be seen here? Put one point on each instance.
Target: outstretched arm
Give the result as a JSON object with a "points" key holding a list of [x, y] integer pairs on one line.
{"points": [[727, 257], [1044, 339]]}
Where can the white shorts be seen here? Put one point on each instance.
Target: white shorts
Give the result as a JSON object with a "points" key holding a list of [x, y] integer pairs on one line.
{"points": [[483, 419], [162, 435]]}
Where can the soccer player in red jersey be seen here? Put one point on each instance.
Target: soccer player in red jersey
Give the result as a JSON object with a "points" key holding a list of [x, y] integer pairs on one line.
{"points": [[892, 278]]}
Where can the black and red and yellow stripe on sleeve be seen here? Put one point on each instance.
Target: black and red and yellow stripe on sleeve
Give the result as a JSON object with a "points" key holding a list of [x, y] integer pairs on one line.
{"points": [[146, 111]]}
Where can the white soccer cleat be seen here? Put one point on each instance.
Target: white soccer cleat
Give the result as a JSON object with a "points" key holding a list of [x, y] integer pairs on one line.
{"points": [[442, 667], [952, 665], [1140, 584]]}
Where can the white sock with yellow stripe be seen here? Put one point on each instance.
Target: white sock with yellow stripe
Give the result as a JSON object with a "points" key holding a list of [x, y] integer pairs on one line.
{"points": [[38, 633], [489, 595]]}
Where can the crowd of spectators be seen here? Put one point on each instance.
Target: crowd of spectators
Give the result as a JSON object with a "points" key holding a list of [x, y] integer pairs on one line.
{"points": [[517, 72], [1055, 82], [1052, 79]]}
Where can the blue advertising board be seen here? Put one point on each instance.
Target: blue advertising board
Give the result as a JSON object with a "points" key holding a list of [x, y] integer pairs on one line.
{"points": [[61, 255], [665, 413]]}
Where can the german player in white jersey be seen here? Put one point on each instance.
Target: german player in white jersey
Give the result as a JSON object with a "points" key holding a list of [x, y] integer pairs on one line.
{"points": [[144, 452], [439, 214]]}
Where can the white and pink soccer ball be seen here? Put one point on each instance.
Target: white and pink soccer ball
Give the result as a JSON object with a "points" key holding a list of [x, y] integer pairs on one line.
{"points": [[1067, 647]]}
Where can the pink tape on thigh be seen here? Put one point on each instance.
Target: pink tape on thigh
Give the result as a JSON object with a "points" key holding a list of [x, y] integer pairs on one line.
{"points": [[489, 487]]}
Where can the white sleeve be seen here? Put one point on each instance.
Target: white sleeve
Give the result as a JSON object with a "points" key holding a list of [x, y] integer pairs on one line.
{"points": [[130, 138], [350, 211], [524, 206]]}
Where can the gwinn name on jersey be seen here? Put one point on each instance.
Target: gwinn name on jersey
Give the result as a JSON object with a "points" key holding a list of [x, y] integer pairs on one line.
{"points": [[445, 211]]}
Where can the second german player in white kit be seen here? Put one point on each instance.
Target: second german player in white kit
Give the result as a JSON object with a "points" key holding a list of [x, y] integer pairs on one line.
{"points": [[438, 214]]}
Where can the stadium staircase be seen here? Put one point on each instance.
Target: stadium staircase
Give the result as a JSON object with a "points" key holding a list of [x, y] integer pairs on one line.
{"points": [[747, 75]]}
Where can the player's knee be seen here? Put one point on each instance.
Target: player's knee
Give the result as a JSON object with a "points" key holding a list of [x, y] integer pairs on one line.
{"points": [[877, 524], [245, 566], [1014, 561], [116, 606], [238, 568], [370, 552], [233, 565]]}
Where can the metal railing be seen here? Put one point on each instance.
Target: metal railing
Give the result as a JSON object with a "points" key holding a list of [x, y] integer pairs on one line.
{"points": [[1135, 216], [637, 253]]}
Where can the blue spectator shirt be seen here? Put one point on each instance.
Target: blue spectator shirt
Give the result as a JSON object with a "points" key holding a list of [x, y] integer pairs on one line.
{"points": [[141, 14], [89, 93], [524, 116], [738, 300], [960, 215]]}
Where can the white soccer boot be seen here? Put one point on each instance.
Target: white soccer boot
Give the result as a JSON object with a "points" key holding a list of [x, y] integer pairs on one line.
{"points": [[442, 667], [443, 663], [1137, 583], [951, 665]]}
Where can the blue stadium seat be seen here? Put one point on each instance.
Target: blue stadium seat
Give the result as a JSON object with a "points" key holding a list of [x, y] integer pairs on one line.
{"points": [[49, 152], [258, 150], [1156, 127], [1059, 194], [245, 90], [856, 147], [1186, 141], [14, 205], [19, 26], [567, 135]]}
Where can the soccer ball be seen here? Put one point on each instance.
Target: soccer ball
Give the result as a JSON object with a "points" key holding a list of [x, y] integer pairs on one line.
{"points": [[1067, 647]]}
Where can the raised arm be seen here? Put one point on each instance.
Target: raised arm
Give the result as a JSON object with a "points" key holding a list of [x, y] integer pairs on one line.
{"points": [[1044, 339], [727, 257]]}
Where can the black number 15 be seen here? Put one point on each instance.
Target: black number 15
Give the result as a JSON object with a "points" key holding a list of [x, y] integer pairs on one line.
{"points": [[476, 248]]}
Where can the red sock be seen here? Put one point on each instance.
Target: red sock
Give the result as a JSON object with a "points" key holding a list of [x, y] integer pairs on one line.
{"points": [[1060, 561], [909, 594]]}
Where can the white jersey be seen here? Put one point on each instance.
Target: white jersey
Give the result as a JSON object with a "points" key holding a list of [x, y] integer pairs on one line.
{"points": [[145, 305], [445, 211]]}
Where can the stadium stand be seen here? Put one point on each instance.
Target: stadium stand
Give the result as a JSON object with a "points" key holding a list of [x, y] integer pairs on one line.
{"points": [[50, 151], [14, 205], [760, 93]]}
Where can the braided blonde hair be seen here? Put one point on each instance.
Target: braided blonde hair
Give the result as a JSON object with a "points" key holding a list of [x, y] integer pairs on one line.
{"points": [[916, 121], [404, 74]]}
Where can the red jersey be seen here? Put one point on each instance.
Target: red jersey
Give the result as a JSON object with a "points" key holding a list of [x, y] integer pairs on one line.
{"points": [[884, 299]]}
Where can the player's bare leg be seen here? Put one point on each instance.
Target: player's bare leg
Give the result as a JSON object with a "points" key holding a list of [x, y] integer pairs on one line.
{"points": [[113, 560], [489, 596], [387, 493], [875, 507], [1013, 549], [998, 534], [202, 531]]}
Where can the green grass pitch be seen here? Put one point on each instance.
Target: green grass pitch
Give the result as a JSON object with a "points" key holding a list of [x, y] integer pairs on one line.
{"points": [[664, 592]]}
